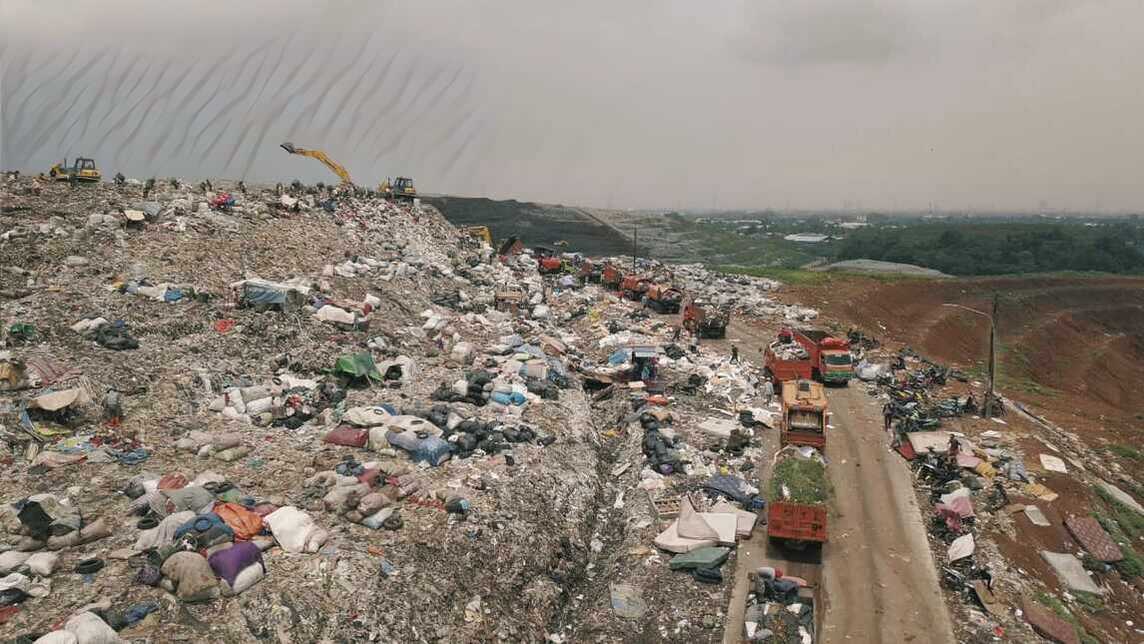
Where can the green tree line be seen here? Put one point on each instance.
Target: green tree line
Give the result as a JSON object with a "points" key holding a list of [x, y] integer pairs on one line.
{"points": [[995, 249]]}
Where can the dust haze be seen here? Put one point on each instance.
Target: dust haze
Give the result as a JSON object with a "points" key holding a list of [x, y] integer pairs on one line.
{"points": [[890, 105]]}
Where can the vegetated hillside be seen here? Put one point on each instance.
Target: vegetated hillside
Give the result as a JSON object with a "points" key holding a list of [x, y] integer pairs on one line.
{"points": [[535, 224], [1003, 248], [670, 237], [1074, 345]]}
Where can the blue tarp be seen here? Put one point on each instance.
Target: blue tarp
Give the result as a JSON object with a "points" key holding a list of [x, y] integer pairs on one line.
{"points": [[620, 357]]}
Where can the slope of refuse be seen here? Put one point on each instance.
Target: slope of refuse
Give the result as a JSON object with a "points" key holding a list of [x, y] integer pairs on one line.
{"points": [[284, 355], [233, 413]]}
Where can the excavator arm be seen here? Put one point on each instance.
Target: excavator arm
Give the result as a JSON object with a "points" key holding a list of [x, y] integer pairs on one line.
{"points": [[334, 167]]}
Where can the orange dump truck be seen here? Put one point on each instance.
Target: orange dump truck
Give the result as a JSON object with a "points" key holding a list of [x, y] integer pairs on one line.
{"points": [[633, 287], [663, 299], [611, 277], [797, 495], [830, 359], [804, 414], [706, 319]]}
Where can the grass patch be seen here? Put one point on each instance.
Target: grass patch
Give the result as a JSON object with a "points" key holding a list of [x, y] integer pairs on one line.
{"points": [[1126, 451], [805, 480], [806, 277], [1091, 602], [1058, 607], [1132, 565], [1129, 520]]}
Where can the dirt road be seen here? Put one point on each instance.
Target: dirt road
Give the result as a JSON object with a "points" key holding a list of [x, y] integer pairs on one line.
{"points": [[879, 579], [878, 582]]}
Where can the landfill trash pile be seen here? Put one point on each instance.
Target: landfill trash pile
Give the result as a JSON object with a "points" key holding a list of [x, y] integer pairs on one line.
{"points": [[789, 350], [307, 398], [677, 432]]}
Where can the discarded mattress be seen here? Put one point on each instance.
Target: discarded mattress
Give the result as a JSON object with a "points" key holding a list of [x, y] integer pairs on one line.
{"points": [[922, 442], [1071, 572], [1095, 540], [720, 527], [699, 558], [1053, 464], [745, 520], [670, 540]]}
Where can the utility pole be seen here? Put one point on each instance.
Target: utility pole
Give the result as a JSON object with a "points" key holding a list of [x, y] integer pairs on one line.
{"points": [[635, 245], [989, 395]]}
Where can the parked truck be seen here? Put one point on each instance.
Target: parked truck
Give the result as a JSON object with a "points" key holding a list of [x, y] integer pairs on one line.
{"points": [[706, 319], [611, 277], [663, 299], [804, 414], [784, 359], [830, 360], [633, 287], [796, 499]]}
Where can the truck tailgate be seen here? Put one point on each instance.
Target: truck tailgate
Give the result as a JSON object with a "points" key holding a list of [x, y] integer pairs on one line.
{"points": [[796, 521]]}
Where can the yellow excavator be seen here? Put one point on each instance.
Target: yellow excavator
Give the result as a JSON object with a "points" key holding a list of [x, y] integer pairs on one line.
{"points": [[82, 169], [399, 188], [334, 166], [481, 233]]}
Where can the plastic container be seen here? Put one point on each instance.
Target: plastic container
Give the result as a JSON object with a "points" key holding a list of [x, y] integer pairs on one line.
{"points": [[431, 449]]}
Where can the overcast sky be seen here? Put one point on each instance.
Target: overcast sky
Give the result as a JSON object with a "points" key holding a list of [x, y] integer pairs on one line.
{"points": [[880, 105]]}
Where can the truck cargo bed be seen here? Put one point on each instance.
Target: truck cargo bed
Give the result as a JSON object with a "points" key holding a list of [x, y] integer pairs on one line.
{"points": [[796, 521]]}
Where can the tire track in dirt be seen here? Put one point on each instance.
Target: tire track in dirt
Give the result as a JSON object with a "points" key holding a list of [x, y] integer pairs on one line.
{"points": [[878, 575]]}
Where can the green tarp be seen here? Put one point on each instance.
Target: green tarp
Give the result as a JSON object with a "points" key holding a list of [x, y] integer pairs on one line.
{"points": [[358, 365]]}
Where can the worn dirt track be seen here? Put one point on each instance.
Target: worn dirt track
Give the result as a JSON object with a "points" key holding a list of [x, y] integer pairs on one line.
{"points": [[879, 579], [878, 582]]}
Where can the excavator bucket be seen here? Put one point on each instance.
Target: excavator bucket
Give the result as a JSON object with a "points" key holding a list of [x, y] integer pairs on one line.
{"points": [[289, 147]]}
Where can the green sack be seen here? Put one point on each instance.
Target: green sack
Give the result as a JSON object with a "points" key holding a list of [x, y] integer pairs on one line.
{"points": [[358, 365]]}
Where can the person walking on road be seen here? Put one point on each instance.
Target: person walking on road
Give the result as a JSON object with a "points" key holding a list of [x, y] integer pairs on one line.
{"points": [[734, 354], [887, 416], [768, 390]]}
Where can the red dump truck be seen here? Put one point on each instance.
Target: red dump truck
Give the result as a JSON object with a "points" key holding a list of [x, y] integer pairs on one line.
{"points": [[830, 360], [784, 359], [796, 499], [796, 524]]}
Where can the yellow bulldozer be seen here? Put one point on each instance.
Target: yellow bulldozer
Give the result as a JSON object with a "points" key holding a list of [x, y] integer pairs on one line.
{"points": [[334, 166], [81, 169]]}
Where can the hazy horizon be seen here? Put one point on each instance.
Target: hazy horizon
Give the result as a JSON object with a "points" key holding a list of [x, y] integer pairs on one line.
{"points": [[1026, 106]]}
